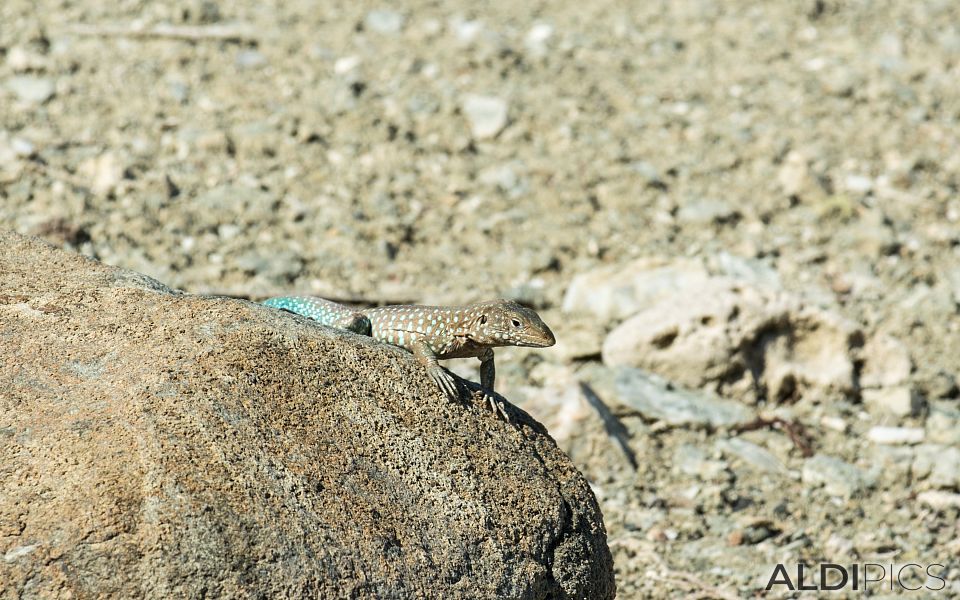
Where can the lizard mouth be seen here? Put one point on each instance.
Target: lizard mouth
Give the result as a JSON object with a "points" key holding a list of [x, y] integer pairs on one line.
{"points": [[543, 339]]}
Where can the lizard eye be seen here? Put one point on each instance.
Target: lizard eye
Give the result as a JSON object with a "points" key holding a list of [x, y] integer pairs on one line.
{"points": [[516, 322]]}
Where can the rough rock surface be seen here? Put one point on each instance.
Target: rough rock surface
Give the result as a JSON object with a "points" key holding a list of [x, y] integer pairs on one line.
{"points": [[167, 445]]}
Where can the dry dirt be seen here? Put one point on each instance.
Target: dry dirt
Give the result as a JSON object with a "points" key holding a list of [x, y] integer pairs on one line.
{"points": [[359, 151]]}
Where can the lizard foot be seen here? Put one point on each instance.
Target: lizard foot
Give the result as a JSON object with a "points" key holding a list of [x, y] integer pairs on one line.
{"points": [[445, 381], [496, 406]]}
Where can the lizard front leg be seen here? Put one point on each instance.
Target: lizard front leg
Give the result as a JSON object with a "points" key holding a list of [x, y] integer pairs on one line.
{"points": [[488, 374], [428, 358]]}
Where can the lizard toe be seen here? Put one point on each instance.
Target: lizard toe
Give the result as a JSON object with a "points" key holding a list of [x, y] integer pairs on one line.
{"points": [[445, 382], [496, 406]]}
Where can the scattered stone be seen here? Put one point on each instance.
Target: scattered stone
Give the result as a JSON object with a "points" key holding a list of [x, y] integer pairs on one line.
{"points": [[346, 64], [505, 178], [707, 210], [21, 60], [746, 271], [835, 423], [250, 59], [692, 461], [756, 456], [942, 385], [722, 330], [616, 292], [30, 89], [536, 39], [939, 500], [943, 424], [104, 172], [466, 31], [756, 530], [953, 277], [8, 155], [577, 342], [487, 115], [937, 466], [22, 148], [278, 268], [838, 478], [794, 175], [892, 464], [657, 399], [869, 235], [886, 362], [649, 173], [858, 184], [895, 435], [899, 401], [384, 21], [838, 546]]}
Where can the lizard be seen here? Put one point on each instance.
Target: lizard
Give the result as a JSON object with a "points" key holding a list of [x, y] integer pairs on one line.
{"points": [[433, 333]]}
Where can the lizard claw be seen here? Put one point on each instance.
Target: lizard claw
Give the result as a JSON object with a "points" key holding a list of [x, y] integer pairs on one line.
{"points": [[445, 381], [496, 406]]}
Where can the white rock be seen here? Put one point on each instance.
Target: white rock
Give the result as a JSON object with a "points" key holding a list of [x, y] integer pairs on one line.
{"points": [[695, 327], [943, 424], [899, 401], [939, 500], [886, 362], [22, 148], [250, 59], [345, 64], [794, 176], [858, 184], [838, 478], [384, 21], [936, 466], [706, 210], [576, 342], [104, 173], [616, 292], [710, 332], [487, 114], [756, 456], [895, 435], [466, 31], [536, 39], [834, 423], [32, 90]]}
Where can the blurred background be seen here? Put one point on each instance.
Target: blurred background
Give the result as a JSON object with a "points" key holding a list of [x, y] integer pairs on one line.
{"points": [[740, 218]]}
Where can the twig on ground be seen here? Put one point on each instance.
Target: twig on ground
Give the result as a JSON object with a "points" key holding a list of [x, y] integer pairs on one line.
{"points": [[192, 33], [794, 430]]}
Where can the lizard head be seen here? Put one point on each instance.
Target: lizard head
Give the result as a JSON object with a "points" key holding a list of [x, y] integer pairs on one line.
{"points": [[506, 323]]}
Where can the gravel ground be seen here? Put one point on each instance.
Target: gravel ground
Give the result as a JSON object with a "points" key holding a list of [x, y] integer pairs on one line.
{"points": [[446, 153]]}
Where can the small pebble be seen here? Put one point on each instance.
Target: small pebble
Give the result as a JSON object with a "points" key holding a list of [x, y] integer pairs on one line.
{"points": [[487, 115], [32, 90], [899, 401], [838, 477], [384, 21], [895, 435], [250, 59]]}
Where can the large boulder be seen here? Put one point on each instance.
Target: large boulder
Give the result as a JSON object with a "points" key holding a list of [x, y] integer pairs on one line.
{"points": [[159, 444]]}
